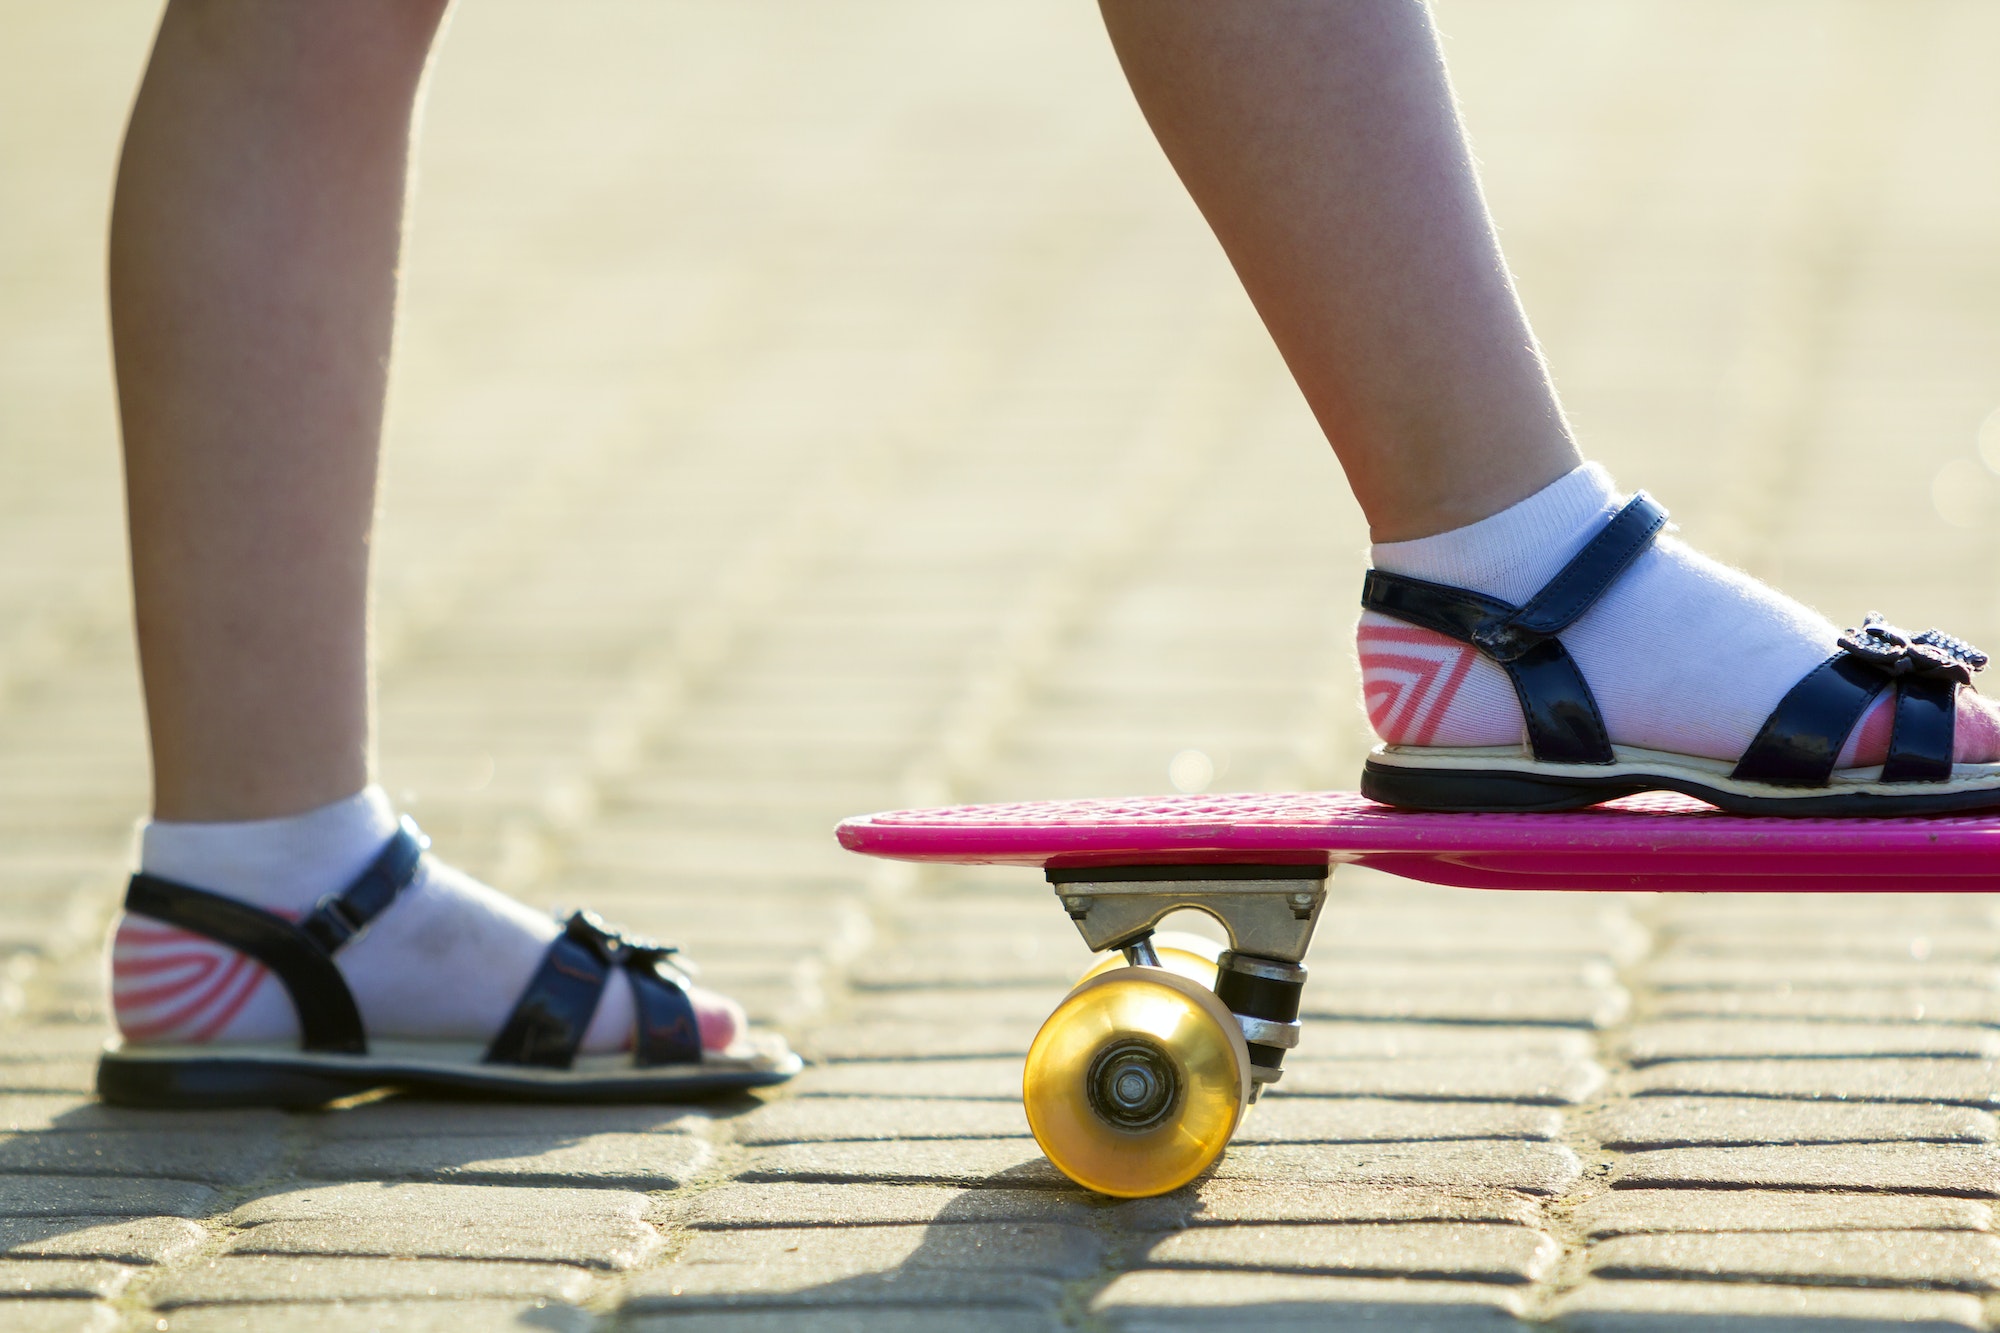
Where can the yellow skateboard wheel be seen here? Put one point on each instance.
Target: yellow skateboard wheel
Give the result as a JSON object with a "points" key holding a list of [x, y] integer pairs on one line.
{"points": [[1181, 952], [1135, 1083]]}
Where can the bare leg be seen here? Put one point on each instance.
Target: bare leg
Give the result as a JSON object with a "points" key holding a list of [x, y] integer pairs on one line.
{"points": [[254, 244], [253, 284], [1320, 141]]}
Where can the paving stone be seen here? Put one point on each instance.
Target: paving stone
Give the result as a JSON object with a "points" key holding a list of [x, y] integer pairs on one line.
{"points": [[231, 1280], [1674, 1122], [969, 970], [1884, 937], [102, 1196], [868, 1320], [1953, 1082], [27, 1043], [73, 1076], [996, 1004], [32, 1112], [825, 1119], [1283, 1118], [769, 1286], [784, 1205], [1730, 1307], [1462, 925], [55, 1316], [915, 1162], [1890, 1005], [1540, 1081], [1777, 971], [824, 1254], [919, 1041], [1652, 1043], [1329, 1039], [416, 1118], [1443, 1251], [424, 1316], [219, 1158], [1639, 1212], [66, 1278], [143, 1240], [1950, 1260], [633, 1161], [1445, 1002], [985, 1080], [1213, 1202], [594, 1228], [1532, 1168], [1141, 1302], [1930, 1168], [1390, 967]]}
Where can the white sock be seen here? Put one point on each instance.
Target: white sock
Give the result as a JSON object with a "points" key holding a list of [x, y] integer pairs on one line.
{"points": [[447, 960], [1682, 654]]}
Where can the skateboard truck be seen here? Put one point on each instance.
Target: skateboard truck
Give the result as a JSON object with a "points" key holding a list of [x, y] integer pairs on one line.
{"points": [[1269, 912]]}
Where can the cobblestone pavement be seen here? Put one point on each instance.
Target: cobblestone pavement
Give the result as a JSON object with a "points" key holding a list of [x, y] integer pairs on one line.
{"points": [[807, 409]]}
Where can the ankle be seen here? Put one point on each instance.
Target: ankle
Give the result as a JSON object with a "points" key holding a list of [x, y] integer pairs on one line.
{"points": [[284, 864]]}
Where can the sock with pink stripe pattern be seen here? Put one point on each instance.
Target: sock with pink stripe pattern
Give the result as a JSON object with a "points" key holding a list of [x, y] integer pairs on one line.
{"points": [[1636, 646], [446, 961]]}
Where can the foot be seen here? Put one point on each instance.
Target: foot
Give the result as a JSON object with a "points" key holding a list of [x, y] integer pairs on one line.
{"points": [[1684, 655], [447, 961]]}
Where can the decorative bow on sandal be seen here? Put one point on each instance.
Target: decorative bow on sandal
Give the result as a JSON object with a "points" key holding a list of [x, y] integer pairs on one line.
{"points": [[611, 944], [1932, 655]]}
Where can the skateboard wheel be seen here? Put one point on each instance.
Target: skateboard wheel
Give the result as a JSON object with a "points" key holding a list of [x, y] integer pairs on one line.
{"points": [[1136, 1082], [1182, 952]]}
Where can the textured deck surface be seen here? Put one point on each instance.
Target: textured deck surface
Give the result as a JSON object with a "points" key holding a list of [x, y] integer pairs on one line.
{"points": [[1654, 842], [806, 408]]}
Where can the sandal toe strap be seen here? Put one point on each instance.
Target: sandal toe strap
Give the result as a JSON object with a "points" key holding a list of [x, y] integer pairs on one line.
{"points": [[668, 1033], [1920, 746], [1800, 742], [548, 1024]]}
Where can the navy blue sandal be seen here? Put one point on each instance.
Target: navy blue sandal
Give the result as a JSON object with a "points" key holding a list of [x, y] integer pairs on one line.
{"points": [[534, 1057], [1569, 761]]}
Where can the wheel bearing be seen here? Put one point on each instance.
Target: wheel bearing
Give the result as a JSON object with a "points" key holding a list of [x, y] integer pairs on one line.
{"points": [[1133, 1085]]}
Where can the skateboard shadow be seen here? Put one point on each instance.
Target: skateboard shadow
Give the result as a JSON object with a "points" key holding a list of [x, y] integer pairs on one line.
{"points": [[1035, 1253]]}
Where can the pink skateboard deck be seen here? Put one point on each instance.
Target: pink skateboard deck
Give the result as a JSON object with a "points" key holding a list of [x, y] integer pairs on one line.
{"points": [[1654, 842]]}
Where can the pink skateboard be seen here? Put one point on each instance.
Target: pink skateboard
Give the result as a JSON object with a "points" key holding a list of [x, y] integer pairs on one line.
{"points": [[1140, 1061], [1656, 842]]}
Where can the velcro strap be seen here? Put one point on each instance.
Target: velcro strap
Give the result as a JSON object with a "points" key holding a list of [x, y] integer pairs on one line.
{"points": [[1596, 567], [1504, 632], [339, 917]]}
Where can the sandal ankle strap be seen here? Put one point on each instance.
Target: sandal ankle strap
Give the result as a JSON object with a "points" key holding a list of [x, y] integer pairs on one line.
{"points": [[300, 955], [1561, 715]]}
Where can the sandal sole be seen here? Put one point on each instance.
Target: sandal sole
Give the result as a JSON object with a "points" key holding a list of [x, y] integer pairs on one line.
{"points": [[169, 1078], [1530, 787]]}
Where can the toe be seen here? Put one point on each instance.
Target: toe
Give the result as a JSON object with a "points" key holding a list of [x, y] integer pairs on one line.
{"points": [[1976, 738], [722, 1020]]}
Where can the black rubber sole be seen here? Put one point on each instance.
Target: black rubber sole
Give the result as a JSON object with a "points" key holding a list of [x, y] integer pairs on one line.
{"points": [[201, 1084], [1472, 791]]}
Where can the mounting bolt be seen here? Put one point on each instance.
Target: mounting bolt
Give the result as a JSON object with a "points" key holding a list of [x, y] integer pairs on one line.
{"points": [[1076, 904], [1302, 906]]}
